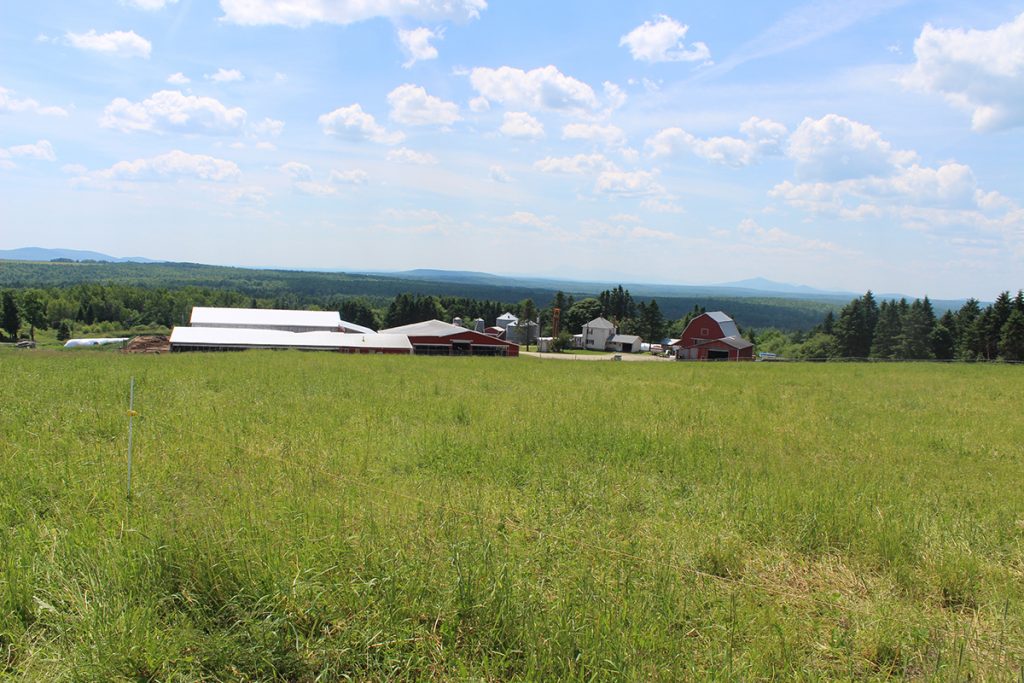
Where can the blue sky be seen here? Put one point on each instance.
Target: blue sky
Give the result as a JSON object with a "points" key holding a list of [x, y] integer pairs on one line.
{"points": [[841, 145]]}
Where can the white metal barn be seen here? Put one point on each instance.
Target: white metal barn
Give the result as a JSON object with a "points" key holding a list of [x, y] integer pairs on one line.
{"points": [[273, 319], [224, 339]]}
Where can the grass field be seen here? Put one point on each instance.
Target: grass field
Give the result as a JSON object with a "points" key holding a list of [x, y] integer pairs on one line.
{"points": [[316, 516]]}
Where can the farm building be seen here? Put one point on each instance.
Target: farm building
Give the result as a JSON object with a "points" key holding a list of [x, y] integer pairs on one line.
{"points": [[625, 343], [435, 337], [273, 319], [712, 336], [229, 339], [596, 334]]}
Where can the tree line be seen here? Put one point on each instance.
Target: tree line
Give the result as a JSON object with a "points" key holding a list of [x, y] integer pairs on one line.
{"points": [[902, 330]]}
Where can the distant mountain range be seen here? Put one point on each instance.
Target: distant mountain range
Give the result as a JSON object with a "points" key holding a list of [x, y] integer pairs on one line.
{"points": [[41, 254], [745, 288], [758, 287]]}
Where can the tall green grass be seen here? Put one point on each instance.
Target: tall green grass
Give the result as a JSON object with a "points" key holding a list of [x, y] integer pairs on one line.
{"points": [[317, 516]]}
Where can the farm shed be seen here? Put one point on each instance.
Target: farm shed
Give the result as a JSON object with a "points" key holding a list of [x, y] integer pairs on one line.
{"points": [[713, 336], [228, 339], [273, 319], [625, 343], [596, 334], [438, 338]]}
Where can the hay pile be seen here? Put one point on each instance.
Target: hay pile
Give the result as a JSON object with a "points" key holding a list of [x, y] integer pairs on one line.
{"points": [[148, 343]]}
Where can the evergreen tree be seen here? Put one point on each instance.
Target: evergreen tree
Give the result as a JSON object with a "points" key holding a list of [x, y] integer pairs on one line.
{"points": [[1011, 341], [943, 341], [855, 329], [64, 330], [887, 331], [969, 336], [652, 322], [11, 318], [915, 332], [829, 323], [998, 313]]}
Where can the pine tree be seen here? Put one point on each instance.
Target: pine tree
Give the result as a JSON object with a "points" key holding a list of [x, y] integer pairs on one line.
{"points": [[887, 331], [998, 313], [969, 337], [915, 332], [943, 338], [1011, 341], [855, 329], [652, 322], [11, 319]]}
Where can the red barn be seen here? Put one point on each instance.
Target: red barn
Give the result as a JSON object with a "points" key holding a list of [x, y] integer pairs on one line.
{"points": [[713, 336], [438, 338]]}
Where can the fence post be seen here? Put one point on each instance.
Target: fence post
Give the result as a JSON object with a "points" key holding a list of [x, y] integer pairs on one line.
{"points": [[131, 420]]}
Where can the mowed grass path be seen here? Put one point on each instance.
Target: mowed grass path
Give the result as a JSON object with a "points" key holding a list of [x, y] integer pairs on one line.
{"points": [[317, 516]]}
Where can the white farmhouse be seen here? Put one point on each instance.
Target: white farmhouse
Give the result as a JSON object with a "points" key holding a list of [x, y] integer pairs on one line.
{"points": [[596, 334]]}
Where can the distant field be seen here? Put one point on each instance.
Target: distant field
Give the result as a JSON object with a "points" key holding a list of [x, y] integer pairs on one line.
{"points": [[316, 516]]}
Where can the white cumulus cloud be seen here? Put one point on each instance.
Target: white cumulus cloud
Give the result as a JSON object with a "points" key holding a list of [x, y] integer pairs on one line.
{"points": [[269, 127], [851, 172], [223, 75], [835, 148], [977, 70], [416, 43], [116, 43], [578, 165], [353, 123], [40, 151], [172, 111], [519, 124], [178, 79], [761, 137], [404, 155], [301, 13], [628, 184], [663, 41], [11, 104], [545, 88], [609, 136], [172, 165], [297, 171], [411, 105], [355, 176]]}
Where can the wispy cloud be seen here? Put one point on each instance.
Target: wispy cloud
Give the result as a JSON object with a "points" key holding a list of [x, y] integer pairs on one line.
{"points": [[803, 25]]}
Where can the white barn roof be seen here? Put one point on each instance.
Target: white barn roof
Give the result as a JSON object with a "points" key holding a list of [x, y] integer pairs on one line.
{"points": [[245, 338], [265, 317], [429, 328]]}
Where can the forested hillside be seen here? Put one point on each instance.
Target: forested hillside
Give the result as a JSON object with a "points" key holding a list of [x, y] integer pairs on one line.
{"points": [[163, 292]]}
